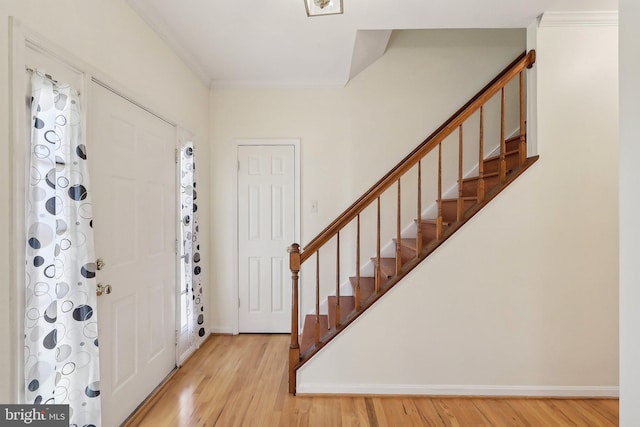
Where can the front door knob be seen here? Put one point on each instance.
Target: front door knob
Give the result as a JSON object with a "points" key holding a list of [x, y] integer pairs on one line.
{"points": [[103, 289]]}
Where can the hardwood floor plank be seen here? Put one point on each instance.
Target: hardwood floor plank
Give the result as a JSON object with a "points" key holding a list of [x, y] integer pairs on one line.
{"points": [[447, 417], [526, 409], [242, 381], [414, 415], [461, 412], [565, 410], [396, 412], [380, 418], [428, 412], [599, 409], [354, 413], [371, 412], [500, 412]]}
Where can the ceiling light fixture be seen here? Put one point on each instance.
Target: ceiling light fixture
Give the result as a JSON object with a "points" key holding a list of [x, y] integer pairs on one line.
{"points": [[323, 7]]}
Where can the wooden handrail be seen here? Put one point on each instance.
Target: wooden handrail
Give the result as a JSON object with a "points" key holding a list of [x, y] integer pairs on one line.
{"points": [[525, 60]]}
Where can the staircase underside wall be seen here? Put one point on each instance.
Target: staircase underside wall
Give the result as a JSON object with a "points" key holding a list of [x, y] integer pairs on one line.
{"points": [[524, 299]]}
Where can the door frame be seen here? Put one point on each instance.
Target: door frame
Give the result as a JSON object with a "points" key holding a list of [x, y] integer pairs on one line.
{"points": [[260, 142], [22, 38]]}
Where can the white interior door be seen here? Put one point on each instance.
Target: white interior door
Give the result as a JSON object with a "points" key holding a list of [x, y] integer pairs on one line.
{"points": [[266, 224], [134, 197]]}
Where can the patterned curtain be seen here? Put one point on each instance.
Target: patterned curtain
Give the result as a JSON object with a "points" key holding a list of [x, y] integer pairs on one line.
{"points": [[191, 246], [61, 330]]}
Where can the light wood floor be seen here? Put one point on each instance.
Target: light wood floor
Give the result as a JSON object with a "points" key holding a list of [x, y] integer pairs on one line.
{"points": [[242, 381]]}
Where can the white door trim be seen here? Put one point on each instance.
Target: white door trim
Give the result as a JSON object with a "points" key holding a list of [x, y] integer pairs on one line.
{"points": [[295, 142], [21, 38]]}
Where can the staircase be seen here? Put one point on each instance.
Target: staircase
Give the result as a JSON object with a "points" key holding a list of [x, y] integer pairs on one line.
{"points": [[491, 174]]}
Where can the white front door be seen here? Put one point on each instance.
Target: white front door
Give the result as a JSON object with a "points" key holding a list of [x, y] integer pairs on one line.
{"points": [[131, 154], [266, 224]]}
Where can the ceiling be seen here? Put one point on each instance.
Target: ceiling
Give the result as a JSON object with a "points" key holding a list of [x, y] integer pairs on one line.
{"points": [[273, 43]]}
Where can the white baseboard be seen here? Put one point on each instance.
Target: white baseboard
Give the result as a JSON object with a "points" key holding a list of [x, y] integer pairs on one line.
{"points": [[223, 330], [461, 390]]}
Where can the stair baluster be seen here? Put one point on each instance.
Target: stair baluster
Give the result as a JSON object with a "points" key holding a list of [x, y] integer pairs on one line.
{"points": [[419, 216], [317, 325], [460, 209], [398, 237], [523, 140], [358, 296], [378, 272], [337, 320], [503, 148], [439, 219], [481, 159]]}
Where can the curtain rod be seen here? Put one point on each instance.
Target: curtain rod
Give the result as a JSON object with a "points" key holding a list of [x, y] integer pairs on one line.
{"points": [[31, 70], [116, 92]]}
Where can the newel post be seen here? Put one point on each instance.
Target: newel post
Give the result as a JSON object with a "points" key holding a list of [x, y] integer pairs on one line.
{"points": [[294, 348]]}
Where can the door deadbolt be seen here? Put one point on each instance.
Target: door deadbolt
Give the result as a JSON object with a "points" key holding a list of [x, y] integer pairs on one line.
{"points": [[103, 289], [100, 264]]}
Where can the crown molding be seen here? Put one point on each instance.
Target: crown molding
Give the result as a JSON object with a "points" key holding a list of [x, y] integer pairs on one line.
{"points": [[260, 84], [159, 26], [580, 19]]}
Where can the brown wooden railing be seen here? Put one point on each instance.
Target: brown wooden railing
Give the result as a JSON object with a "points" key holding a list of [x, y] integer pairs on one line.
{"points": [[393, 179]]}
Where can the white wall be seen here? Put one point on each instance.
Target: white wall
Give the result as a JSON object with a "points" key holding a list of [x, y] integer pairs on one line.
{"points": [[629, 214], [349, 136], [109, 36], [524, 299]]}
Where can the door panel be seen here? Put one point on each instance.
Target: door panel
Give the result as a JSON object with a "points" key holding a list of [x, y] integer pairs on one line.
{"points": [[266, 221], [133, 174], [125, 324]]}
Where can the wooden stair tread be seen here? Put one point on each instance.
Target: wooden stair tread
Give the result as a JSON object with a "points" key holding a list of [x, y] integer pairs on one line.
{"points": [[387, 266], [384, 261], [429, 231], [367, 287], [513, 138], [409, 242], [308, 338], [347, 305], [506, 154], [491, 180], [432, 222], [464, 198], [408, 248], [485, 176]]}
